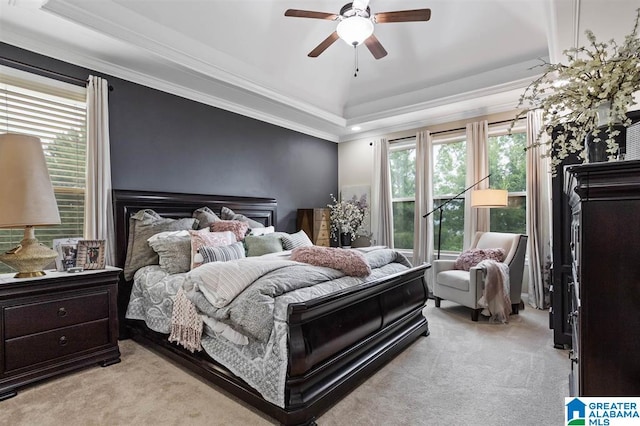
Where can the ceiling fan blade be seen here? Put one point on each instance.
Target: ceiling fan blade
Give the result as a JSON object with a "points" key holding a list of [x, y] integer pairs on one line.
{"points": [[324, 45], [296, 13], [375, 47], [403, 16]]}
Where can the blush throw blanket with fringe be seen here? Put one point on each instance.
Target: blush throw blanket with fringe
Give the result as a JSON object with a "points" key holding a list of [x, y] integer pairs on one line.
{"points": [[495, 296]]}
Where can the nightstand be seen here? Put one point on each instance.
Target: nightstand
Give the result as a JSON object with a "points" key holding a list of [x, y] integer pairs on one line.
{"points": [[55, 324]]}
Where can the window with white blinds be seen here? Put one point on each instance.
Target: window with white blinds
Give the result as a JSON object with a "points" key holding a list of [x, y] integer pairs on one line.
{"points": [[56, 113]]}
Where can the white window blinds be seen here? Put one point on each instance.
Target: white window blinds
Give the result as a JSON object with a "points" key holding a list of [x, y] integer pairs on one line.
{"points": [[56, 113]]}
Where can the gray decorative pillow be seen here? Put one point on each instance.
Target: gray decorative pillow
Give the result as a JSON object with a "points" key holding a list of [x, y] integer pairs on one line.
{"points": [[228, 214], [262, 244], [143, 225], [174, 250], [205, 217], [299, 239], [223, 253]]}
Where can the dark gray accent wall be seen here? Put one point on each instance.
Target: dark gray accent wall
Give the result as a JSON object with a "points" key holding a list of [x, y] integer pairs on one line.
{"points": [[163, 142]]}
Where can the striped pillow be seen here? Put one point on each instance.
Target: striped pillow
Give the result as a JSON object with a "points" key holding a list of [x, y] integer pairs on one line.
{"points": [[222, 253], [299, 239], [204, 237]]}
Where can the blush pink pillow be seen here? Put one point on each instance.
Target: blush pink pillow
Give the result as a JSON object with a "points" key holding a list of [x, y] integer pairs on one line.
{"points": [[238, 228], [350, 262], [470, 258], [204, 237]]}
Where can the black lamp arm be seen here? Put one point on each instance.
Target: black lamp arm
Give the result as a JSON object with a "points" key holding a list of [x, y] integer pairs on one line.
{"points": [[456, 196]]}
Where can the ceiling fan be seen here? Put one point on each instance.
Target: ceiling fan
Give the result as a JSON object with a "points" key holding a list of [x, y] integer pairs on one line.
{"points": [[355, 25]]}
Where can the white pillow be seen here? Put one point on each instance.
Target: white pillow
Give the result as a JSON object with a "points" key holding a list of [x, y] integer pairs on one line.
{"points": [[262, 231], [168, 234]]}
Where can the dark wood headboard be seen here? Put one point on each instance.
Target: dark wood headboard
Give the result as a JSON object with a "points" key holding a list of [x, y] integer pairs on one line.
{"points": [[175, 205]]}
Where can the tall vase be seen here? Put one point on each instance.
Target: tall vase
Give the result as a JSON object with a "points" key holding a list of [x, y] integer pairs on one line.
{"points": [[597, 151], [345, 240]]}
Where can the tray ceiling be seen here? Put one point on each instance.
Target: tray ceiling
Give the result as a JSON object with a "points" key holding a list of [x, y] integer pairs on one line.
{"points": [[473, 57]]}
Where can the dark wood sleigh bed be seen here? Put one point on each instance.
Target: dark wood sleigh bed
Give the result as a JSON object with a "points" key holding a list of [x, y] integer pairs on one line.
{"points": [[335, 342]]}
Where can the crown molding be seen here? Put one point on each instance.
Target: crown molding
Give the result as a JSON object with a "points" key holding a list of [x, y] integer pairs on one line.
{"points": [[158, 40], [492, 100], [53, 50]]}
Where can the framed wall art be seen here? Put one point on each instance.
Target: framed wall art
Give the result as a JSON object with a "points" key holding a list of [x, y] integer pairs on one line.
{"points": [[91, 254]]}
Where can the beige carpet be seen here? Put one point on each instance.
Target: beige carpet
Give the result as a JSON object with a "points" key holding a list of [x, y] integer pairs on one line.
{"points": [[464, 373]]}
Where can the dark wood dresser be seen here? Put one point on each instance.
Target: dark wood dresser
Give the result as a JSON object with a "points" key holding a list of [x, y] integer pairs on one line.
{"points": [[315, 223], [605, 293], [561, 271], [55, 324]]}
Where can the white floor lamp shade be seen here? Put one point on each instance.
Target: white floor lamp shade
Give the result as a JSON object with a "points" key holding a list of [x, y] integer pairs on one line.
{"points": [[489, 198], [27, 200]]}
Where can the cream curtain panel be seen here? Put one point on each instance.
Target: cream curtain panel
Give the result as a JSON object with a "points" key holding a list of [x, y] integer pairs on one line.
{"points": [[477, 168], [538, 215], [381, 207], [98, 207], [423, 227]]}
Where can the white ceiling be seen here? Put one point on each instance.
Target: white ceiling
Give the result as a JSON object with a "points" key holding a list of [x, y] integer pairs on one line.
{"points": [[473, 57]]}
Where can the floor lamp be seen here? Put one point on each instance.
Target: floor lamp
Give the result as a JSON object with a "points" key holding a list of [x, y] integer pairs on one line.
{"points": [[479, 198]]}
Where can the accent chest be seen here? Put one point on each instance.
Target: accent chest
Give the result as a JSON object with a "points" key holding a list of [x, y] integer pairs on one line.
{"points": [[605, 288], [55, 324], [316, 224]]}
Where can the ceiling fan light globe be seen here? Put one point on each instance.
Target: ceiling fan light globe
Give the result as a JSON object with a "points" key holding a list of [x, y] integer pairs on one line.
{"points": [[354, 30]]}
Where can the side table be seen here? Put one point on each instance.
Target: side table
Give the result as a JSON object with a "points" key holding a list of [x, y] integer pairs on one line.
{"points": [[55, 324]]}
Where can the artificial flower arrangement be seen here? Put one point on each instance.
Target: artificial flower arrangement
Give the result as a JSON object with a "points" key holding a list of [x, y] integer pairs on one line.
{"points": [[602, 76], [347, 216]]}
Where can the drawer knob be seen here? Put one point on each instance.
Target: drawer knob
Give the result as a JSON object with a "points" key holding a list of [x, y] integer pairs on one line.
{"points": [[62, 341], [62, 312]]}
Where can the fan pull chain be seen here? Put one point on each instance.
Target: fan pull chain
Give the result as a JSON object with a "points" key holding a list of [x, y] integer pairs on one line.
{"points": [[355, 66]]}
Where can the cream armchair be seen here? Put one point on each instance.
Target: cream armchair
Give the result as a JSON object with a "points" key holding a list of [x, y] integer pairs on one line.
{"points": [[465, 287]]}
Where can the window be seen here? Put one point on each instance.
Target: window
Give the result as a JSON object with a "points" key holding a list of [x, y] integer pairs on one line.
{"points": [[402, 162], [507, 165], [508, 168], [449, 179], [56, 113]]}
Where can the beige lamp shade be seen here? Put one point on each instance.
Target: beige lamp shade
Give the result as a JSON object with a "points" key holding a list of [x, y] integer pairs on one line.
{"points": [[26, 193], [489, 198]]}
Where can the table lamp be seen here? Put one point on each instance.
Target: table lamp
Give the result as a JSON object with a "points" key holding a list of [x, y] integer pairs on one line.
{"points": [[26, 200]]}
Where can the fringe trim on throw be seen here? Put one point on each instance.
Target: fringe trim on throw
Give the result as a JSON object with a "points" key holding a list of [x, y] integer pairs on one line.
{"points": [[186, 324], [495, 296]]}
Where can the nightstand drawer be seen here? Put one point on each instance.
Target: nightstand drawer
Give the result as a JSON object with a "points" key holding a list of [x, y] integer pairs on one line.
{"points": [[321, 214], [322, 225], [323, 242], [322, 234], [36, 348], [43, 316]]}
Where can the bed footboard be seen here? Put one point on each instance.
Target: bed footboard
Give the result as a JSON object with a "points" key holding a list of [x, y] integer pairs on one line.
{"points": [[337, 341]]}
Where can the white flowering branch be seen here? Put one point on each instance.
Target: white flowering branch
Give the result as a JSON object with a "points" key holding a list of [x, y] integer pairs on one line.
{"points": [[347, 216], [602, 74]]}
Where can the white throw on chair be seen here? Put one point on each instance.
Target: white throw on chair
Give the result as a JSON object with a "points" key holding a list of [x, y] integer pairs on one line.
{"points": [[465, 287]]}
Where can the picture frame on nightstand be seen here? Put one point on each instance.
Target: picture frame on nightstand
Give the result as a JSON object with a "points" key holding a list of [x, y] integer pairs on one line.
{"points": [[67, 249], [91, 254]]}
